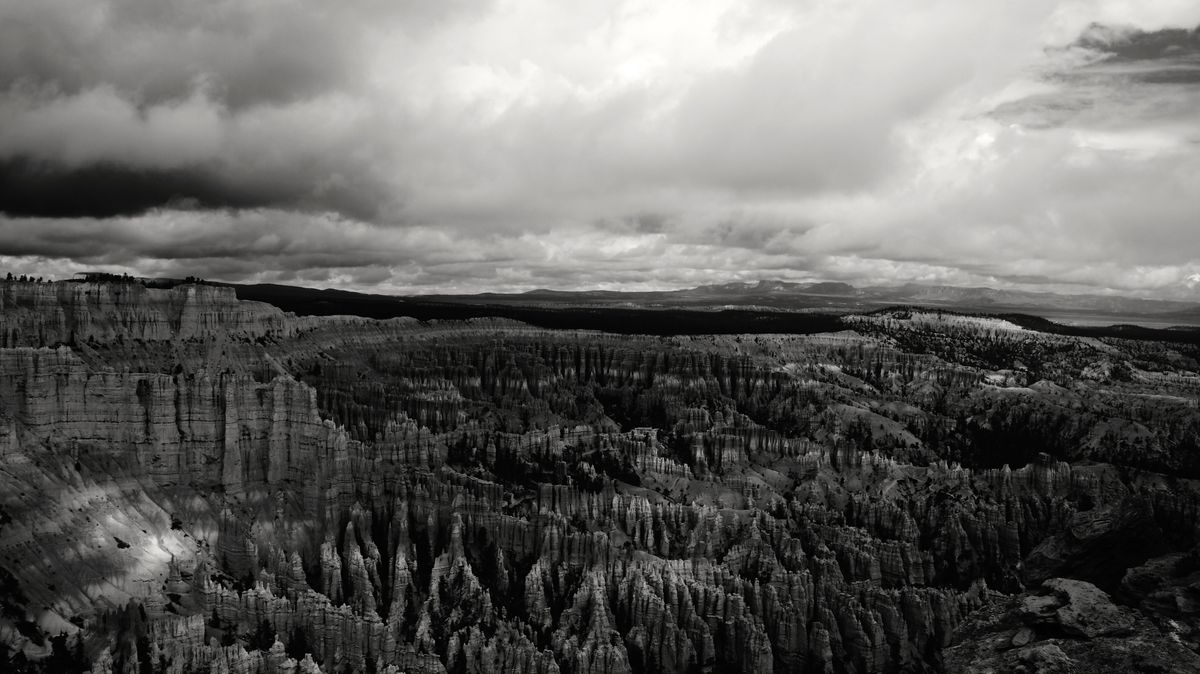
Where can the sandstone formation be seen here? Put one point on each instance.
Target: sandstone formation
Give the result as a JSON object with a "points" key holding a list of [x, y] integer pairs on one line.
{"points": [[190, 483]]}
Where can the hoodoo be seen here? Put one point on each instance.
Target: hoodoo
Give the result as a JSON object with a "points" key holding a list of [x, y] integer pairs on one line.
{"points": [[190, 482]]}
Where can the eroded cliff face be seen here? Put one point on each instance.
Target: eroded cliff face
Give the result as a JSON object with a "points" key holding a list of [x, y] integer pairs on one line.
{"points": [[203, 429], [240, 490], [42, 314]]}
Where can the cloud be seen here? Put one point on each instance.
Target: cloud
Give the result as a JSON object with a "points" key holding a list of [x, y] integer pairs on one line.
{"points": [[478, 146], [818, 107], [481, 119], [229, 104], [265, 245], [1129, 43], [103, 190], [1116, 77], [97, 153], [252, 52]]}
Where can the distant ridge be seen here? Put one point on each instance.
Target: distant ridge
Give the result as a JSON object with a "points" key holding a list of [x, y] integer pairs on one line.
{"points": [[742, 308], [840, 296], [835, 297]]}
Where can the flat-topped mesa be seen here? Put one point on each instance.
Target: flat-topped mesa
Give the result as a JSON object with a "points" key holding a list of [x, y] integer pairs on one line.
{"points": [[65, 312]]}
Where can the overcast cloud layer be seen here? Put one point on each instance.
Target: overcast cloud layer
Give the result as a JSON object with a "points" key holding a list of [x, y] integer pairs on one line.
{"points": [[454, 146]]}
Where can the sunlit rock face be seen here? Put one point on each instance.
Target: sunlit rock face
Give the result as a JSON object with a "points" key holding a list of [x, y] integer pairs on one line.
{"points": [[191, 483]]}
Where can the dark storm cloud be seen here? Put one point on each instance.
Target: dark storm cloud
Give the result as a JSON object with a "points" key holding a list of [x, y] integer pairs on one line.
{"points": [[1132, 44], [117, 107], [29, 188], [97, 153], [105, 189], [1126, 76]]}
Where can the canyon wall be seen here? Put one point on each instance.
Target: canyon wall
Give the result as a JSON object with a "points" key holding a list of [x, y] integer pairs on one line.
{"points": [[190, 482]]}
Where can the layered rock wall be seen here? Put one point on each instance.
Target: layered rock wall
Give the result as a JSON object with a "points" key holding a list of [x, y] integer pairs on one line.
{"points": [[204, 429], [34, 314]]}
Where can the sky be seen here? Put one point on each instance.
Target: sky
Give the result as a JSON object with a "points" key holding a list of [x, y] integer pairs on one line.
{"points": [[420, 147]]}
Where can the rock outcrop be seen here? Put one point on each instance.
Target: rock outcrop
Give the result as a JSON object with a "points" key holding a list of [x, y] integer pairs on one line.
{"points": [[1066, 626]]}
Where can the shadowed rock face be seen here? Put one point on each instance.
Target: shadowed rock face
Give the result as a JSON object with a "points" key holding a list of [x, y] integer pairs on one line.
{"points": [[1064, 626], [192, 483], [1099, 544]]}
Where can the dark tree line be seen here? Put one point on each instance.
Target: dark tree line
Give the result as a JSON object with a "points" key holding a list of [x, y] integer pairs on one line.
{"points": [[23, 278]]}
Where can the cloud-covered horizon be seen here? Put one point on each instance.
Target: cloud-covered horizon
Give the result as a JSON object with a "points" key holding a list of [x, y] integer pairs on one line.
{"points": [[461, 147]]}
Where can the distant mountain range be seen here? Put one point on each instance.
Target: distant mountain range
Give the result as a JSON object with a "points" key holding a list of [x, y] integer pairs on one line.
{"points": [[843, 297], [779, 298]]}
